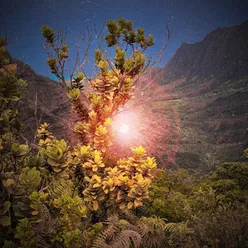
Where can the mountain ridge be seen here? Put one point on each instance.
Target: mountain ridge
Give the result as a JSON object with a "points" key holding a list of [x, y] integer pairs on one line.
{"points": [[42, 101], [188, 57], [206, 81], [210, 79]]}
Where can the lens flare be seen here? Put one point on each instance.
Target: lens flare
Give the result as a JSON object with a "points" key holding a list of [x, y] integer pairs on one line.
{"points": [[124, 128], [150, 120]]}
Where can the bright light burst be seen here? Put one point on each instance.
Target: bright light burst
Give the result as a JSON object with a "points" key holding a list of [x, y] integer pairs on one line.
{"points": [[124, 128], [151, 121]]}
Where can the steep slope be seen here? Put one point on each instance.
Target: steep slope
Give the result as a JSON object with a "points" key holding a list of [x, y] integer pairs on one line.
{"points": [[222, 54], [209, 82], [43, 101]]}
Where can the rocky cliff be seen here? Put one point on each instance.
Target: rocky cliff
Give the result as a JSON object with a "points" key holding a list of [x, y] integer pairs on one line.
{"points": [[222, 55], [209, 82], [43, 101]]}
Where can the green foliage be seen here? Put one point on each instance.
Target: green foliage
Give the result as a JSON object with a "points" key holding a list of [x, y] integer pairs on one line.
{"points": [[3, 41], [246, 153], [168, 194], [36, 200], [98, 56], [230, 182], [124, 29], [236, 171], [61, 195], [56, 155], [58, 53], [19, 150], [10, 92], [214, 207], [71, 213], [5, 219], [25, 233], [48, 33], [29, 179], [80, 76], [74, 94]]}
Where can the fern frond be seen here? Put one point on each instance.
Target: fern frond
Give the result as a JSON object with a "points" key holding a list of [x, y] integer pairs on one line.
{"points": [[112, 228], [152, 229], [125, 239], [46, 224], [153, 223], [41, 242], [114, 236], [60, 187], [179, 228], [130, 216]]}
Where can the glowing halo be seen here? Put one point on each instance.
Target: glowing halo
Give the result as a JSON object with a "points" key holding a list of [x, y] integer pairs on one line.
{"points": [[150, 120], [124, 128]]}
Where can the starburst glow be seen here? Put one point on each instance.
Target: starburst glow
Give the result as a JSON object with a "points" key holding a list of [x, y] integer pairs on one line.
{"points": [[124, 128], [150, 120]]}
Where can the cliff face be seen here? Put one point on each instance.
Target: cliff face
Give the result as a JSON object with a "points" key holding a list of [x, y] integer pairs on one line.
{"points": [[222, 54], [43, 101], [209, 81]]}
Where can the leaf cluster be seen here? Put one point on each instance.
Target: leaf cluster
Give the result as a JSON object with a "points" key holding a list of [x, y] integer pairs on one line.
{"points": [[123, 29]]}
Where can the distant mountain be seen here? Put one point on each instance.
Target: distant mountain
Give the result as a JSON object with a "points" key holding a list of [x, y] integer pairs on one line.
{"points": [[209, 82], [43, 101], [206, 82], [222, 54]]}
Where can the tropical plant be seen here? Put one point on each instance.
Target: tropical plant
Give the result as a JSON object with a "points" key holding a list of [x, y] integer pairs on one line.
{"points": [[61, 195]]}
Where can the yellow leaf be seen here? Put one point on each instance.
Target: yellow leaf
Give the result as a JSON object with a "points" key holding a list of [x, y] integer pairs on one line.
{"points": [[87, 165], [122, 206], [119, 196], [97, 156], [56, 169], [96, 185], [108, 122], [95, 205], [8, 182], [100, 198], [35, 212], [137, 203], [139, 151], [130, 205], [97, 178], [85, 150]]}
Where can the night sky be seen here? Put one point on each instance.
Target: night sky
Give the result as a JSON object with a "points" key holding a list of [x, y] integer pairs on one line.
{"points": [[190, 21]]}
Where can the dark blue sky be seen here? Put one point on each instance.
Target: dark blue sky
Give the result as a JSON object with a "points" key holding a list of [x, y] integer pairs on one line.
{"points": [[190, 21]]}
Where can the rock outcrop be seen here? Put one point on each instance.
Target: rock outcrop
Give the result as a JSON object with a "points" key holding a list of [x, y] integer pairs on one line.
{"points": [[209, 80]]}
